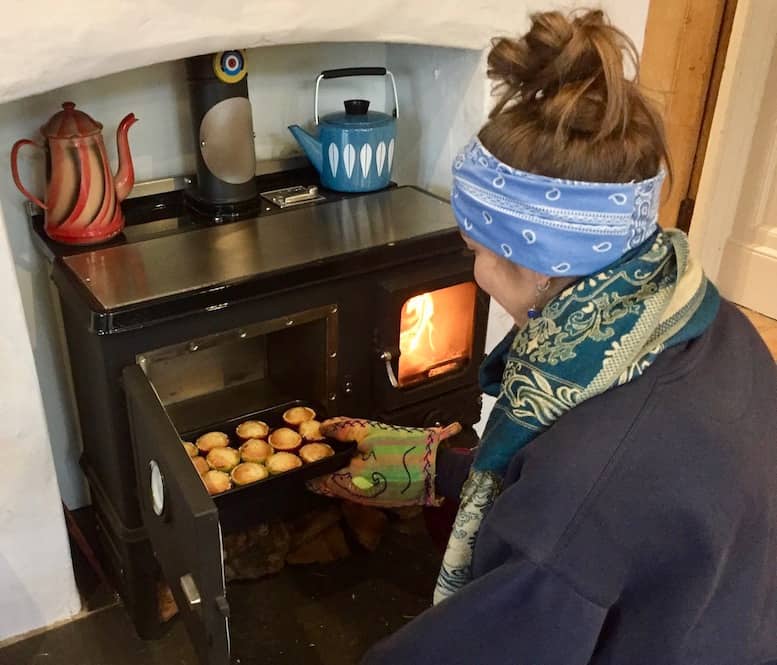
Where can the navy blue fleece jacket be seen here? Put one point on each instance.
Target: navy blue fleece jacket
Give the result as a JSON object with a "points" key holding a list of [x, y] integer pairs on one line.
{"points": [[640, 529]]}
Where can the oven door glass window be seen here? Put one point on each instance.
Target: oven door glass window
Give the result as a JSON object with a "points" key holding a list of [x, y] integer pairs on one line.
{"points": [[435, 333]]}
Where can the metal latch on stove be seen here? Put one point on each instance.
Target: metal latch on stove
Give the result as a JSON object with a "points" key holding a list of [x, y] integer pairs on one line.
{"points": [[292, 196]]}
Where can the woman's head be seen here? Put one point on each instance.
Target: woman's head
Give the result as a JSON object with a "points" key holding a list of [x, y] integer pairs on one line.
{"points": [[565, 110]]}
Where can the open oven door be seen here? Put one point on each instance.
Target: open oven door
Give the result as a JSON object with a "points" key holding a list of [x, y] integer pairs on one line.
{"points": [[181, 519]]}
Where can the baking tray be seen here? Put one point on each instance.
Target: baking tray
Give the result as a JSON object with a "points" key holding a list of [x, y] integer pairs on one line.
{"points": [[275, 497]]}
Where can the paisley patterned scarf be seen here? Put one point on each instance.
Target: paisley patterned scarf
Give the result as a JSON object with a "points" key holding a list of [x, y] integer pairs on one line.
{"points": [[601, 332]]}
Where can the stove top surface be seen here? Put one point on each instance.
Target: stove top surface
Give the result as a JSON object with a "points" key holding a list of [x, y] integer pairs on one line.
{"points": [[173, 256], [160, 208]]}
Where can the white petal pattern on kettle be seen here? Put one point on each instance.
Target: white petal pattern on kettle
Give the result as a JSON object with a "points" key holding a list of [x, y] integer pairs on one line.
{"points": [[334, 158], [390, 154], [365, 157], [349, 159], [380, 156]]}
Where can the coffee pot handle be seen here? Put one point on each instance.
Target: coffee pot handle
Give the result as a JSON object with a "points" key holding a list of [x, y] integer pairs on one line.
{"points": [[15, 171]]}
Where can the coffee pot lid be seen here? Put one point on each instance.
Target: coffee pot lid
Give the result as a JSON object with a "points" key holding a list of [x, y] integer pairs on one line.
{"points": [[70, 123]]}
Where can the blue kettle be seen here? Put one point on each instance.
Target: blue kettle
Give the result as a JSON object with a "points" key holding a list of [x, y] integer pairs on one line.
{"points": [[354, 150]]}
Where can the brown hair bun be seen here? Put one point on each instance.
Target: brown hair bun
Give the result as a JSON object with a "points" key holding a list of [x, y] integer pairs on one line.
{"points": [[565, 107]]}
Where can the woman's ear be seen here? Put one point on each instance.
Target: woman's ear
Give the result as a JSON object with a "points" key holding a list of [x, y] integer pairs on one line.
{"points": [[543, 284]]}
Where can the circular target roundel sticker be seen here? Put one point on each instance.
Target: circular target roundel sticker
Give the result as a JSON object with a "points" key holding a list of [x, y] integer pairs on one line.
{"points": [[230, 66]]}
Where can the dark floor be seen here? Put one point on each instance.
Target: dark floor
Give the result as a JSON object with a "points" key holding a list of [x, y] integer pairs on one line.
{"points": [[309, 615]]}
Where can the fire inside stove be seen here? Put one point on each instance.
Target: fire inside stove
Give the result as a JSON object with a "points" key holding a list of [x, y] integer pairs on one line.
{"points": [[436, 332]]}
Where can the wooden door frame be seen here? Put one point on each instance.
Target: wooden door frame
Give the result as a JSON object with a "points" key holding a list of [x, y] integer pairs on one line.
{"points": [[685, 41]]}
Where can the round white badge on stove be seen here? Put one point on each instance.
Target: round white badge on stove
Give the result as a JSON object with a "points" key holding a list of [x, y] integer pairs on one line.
{"points": [[157, 488]]}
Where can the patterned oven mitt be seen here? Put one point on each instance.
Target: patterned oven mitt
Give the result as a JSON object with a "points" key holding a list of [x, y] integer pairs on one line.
{"points": [[393, 466]]}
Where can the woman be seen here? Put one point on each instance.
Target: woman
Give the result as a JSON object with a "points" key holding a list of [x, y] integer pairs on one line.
{"points": [[622, 504]]}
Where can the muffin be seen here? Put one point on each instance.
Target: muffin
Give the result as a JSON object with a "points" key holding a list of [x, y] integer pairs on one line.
{"points": [[312, 452], [310, 430], [223, 459], [211, 440], [297, 415], [285, 439], [282, 462], [247, 473], [191, 449], [216, 482], [252, 429], [201, 464], [255, 450]]}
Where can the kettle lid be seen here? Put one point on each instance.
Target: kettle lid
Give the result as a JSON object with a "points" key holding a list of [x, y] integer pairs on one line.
{"points": [[70, 123], [357, 116]]}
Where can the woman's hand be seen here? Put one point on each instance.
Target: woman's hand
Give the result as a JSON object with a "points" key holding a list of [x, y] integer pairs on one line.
{"points": [[393, 466]]}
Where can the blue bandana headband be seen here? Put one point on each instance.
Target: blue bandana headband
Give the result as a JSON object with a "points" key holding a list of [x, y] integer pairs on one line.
{"points": [[552, 226]]}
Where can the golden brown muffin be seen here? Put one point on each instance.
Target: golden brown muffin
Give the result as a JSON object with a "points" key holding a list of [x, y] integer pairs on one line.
{"points": [[247, 473], [211, 440], [282, 462], [312, 452], [297, 415], [252, 429], [191, 449], [223, 459], [310, 430], [201, 464], [216, 482], [255, 450], [285, 439]]}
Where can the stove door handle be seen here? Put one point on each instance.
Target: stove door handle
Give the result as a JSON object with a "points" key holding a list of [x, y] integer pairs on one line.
{"points": [[191, 592], [387, 357]]}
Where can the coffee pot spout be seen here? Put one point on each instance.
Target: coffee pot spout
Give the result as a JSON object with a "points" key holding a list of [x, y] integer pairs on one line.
{"points": [[125, 175]]}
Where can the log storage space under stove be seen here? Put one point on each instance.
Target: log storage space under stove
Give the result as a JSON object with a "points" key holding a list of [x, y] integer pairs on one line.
{"points": [[360, 305]]}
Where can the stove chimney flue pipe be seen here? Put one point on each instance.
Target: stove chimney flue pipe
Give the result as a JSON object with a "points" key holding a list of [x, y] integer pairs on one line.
{"points": [[223, 133]]}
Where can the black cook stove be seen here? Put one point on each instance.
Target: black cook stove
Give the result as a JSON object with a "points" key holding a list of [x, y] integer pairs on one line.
{"points": [[361, 304]]}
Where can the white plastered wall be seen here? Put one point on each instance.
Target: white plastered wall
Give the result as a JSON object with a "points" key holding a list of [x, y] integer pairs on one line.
{"points": [[36, 578]]}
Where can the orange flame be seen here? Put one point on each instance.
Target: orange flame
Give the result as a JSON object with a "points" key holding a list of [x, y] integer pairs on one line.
{"points": [[417, 320], [436, 332]]}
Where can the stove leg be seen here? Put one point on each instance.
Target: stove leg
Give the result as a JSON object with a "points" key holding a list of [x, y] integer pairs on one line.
{"points": [[83, 545]]}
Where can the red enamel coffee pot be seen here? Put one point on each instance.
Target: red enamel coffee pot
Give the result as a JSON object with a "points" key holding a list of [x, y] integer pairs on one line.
{"points": [[82, 195]]}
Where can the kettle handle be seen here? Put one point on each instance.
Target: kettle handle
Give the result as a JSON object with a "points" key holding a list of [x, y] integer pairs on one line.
{"points": [[15, 171], [353, 71], [356, 71]]}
